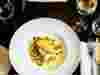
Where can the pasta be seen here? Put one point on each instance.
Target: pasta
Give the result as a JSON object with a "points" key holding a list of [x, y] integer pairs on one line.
{"points": [[46, 50]]}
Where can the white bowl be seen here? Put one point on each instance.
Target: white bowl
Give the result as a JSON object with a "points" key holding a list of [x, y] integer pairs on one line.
{"points": [[18, 46]]}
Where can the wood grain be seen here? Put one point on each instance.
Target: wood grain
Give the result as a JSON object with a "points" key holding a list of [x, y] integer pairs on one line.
{"points": [[98, 50]]}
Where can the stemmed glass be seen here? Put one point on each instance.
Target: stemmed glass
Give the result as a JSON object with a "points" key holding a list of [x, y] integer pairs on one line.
{"points": [[6, 9], [86, 7]]}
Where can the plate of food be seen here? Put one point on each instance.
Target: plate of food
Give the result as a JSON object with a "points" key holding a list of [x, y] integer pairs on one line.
{"points": [[45, 46]]}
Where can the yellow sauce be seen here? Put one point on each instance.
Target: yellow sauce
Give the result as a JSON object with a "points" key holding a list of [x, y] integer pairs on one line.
{"points": [[46, 52]]}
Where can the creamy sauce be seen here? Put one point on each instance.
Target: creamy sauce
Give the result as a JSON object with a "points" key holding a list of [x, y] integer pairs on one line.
{"points": [[47, 51]]}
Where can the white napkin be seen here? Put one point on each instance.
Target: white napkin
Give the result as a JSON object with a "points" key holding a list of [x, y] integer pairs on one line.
{"points": [[85, 60]]}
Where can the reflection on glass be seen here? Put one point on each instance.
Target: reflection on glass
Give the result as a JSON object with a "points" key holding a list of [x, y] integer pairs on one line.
{"points": [[6, 9], [96, 26]]}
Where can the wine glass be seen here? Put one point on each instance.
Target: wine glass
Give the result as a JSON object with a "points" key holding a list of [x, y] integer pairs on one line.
{"points": [[86, 7]]}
